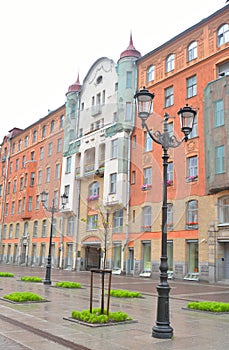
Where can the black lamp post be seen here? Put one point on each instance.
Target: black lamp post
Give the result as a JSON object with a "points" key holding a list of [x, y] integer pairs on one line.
{"points": [[53, 209], [144, 98]]}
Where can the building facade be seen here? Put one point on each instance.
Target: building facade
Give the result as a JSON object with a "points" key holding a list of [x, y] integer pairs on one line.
{"points": [[178, 72], [31, 162]]}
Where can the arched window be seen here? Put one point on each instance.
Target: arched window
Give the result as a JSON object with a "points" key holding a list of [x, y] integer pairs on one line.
{"points": [[35, 228], [170, 63], [93, 191], [150, 74], [54, 227], [192, 214], [223, 212], [17, 230], [192, 51], [70, 226], [26, 227], [223, 35], [44, 228], [146, 219], [52, 127]]}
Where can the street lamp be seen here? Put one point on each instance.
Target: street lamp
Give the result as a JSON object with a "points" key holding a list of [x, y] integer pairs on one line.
{"points": [[53, 209], [144, 98]]}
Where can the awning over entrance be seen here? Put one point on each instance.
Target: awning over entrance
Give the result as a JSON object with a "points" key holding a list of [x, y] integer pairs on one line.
{"points": [[92, 240]]}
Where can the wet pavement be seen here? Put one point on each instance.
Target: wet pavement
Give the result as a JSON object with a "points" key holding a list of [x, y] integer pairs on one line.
{"points": [[46, 325]]}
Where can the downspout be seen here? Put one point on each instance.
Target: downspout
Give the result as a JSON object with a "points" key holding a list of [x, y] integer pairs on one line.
{"points": [[75, 244]]}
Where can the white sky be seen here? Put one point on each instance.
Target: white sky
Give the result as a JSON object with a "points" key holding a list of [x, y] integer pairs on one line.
{"points": [[45, 43]]}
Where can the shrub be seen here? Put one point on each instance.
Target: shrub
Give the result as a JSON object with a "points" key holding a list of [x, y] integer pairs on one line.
{"points": [[23, 296], [6, 274], [68, 284], [97, 317], [122, 293], [31, 279], [212, 306]]}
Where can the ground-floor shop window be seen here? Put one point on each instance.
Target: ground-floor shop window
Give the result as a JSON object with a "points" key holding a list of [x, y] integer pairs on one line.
{"points": [[117, 256], [146, 256], [193, 260]]}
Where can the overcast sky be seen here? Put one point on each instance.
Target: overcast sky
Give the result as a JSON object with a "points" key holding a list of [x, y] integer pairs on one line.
{"points": [[46, 43]]}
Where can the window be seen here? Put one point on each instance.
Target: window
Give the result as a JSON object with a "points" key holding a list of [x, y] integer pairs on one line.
{"points": [[34, 136], [8, 187], [4, 231], [146, 219], [41, 153], [0, 190], [192, 51], [56, 198], [26, 141], [147, 176], [15, 186], [133, 177], [147, 142], [70, 231], [23, 161], [19, 145], [92, 222], [59, 145], [17, 230], [30, 202], [114, 148], [218, 113], [52, 126], [170, 63], [7, 209], [192, 169], [113, 182], [194, 129], [150, 74], [35, 228], [12, 208], [191, 86], [57, 172], [13, 148], [11, 167], [192, 214], [16, 164], [170, 174], [37, 202], [104, 97], [128, 111], [32, 179], [44, 228], [170, 216], [11, 231], [44, 131], [54, 227], [67, 190], [68, 165], [39, 177], [118, 221], [223, 35], [223, 210], [48, 173], [219, 160], [93, 191], [61, 122], [134, 141], [26, 180], [32, 155], [26, 227], [169, 96], [50, 149], [129, 80]]}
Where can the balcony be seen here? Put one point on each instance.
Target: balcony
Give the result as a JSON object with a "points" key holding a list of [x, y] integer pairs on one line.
{"points": [[95, 110], [89, 168]]}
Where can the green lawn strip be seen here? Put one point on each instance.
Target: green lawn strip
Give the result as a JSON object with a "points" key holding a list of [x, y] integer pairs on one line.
{"points": [[31, 279], [97, 317], [66, 284], [6, 274], [123, 293], [212, 306], [21, 297]]}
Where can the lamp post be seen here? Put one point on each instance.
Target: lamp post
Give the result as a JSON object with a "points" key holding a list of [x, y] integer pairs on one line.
{"points": [[52, 210], [162, 328]]}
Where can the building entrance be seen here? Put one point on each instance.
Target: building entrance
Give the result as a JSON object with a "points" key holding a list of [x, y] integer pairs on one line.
{"points": [[92, 257]]}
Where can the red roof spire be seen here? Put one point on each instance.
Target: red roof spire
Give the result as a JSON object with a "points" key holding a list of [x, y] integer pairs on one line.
{"points": [[130, 51], [76, 86]]}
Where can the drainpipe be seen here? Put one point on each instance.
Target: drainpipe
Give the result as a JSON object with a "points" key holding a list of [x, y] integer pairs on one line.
{"points": [[75, 244]]}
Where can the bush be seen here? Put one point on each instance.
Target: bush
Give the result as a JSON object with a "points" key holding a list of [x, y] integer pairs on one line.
{"points": [[23, 296], [6, 274], [97, 317], [68, 284], [212, 306], [122, 293], [31, 279]]}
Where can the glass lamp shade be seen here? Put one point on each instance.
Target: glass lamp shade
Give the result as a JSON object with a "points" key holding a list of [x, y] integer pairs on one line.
{"points": [[64, 199], [187, 115], [44, 196], [144, 103]]}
